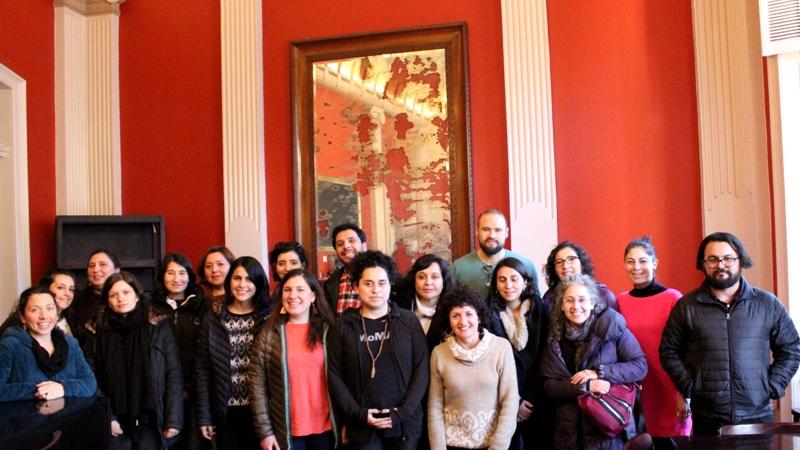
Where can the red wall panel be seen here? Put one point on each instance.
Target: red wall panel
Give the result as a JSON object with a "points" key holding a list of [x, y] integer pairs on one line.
{"points": [[171, 119], [625, 132], [27, 49]]}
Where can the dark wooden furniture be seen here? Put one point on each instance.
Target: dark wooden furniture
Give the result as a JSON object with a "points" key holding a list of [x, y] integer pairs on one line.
{"points": [[760, 428], [68, 423], [138, 241], [748, 442]]}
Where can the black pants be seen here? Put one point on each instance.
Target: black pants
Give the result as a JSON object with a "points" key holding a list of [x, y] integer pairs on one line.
{"points": [[238, 432], [376, 442]]}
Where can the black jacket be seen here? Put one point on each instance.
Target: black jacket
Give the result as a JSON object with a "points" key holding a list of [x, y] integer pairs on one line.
{"points": [[185, 323], [610, 348], [347, 374], [213, 367], [719, 355], [527, 359], [165, 370]]}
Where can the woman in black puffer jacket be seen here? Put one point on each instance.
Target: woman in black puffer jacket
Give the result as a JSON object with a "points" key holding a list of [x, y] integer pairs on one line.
{"points": [[222, 359]]}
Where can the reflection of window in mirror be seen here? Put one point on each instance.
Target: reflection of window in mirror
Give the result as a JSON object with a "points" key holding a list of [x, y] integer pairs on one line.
{"points": [[381, 153]]}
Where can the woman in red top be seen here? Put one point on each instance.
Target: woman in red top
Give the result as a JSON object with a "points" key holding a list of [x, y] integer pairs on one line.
{"points": [[646, 308], [291, 349]]}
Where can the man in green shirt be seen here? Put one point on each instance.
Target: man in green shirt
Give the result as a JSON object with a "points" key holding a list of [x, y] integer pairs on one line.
{"points": [[475, 269]]}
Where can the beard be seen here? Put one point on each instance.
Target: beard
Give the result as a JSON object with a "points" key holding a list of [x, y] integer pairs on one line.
{"points": [[491, 251], [725, 283]]}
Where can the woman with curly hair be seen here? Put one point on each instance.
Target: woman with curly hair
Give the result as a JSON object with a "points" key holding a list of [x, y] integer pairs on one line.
{"points": [[473, 398], [569, 259], [378, 365], [589, 349]]}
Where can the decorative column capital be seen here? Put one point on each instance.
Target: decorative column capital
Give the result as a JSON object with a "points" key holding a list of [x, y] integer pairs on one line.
{"points": [[91, 7]]}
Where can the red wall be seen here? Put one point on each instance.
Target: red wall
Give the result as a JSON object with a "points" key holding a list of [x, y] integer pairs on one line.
{"points": [[623, 103], [27, 49], [625, 131], [171, 119], [287, 21]]}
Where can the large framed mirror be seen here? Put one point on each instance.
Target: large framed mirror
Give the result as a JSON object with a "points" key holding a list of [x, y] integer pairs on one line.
{"points": [[381, 139]]}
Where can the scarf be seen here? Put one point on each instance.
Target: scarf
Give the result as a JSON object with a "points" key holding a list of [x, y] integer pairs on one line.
{"points": [[126, 352], [578, 335], [516, 326], [471, 355], [50, 365]]}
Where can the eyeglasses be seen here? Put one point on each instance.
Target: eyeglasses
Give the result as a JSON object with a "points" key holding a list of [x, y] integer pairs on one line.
{"points": [[568, 260], [713, 261]]}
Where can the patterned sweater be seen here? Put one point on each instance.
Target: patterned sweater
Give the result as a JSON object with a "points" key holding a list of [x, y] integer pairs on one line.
{"points": [[473, 397]]}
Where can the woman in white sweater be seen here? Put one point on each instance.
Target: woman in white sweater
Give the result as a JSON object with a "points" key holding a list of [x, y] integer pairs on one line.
{"points": [[473, 398]]}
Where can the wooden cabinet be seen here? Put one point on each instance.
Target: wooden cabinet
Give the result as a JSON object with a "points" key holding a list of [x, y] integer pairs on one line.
{"points": [[138, 241]]}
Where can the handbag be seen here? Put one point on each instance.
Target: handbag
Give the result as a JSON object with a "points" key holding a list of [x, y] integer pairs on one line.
{"points": [[612, 411]]}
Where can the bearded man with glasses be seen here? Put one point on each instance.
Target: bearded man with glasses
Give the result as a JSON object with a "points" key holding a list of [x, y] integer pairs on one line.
{"points": [[718, 339]]}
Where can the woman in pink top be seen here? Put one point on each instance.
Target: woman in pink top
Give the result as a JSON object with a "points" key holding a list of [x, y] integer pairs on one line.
{"points": [[646, 308], [287, 370]]}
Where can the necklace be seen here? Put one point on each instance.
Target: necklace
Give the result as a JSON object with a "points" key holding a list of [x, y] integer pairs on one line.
{"points": [[380, 348]]}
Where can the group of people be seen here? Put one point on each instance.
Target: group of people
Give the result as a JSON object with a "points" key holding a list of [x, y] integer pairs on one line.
{"points": [[468, 358]]}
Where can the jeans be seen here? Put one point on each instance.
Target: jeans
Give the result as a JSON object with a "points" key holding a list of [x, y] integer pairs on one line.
{"points": [[321, 441]]}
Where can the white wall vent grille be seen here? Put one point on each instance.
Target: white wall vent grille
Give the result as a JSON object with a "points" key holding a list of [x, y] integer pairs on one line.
{"points": [[780, 26]]}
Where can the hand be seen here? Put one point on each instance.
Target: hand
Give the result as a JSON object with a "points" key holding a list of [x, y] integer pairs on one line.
{"points": [[381, 423], [207, 431], [525, 410], [583, 376], [48, 390], [170, 433], [270, 443], [599, 386], [116, 429], [50, 406]]}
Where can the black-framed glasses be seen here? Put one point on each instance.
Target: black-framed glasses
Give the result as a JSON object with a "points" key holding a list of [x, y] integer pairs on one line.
{"points": [[713, 261], [568, 260]]}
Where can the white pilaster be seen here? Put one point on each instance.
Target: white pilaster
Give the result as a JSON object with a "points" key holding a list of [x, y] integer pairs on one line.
{"points": [[732, 128], [88, 170], [529, 127], [243, 128]]}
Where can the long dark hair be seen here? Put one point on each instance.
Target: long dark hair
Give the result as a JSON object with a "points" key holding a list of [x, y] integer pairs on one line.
{"points": [[160, 291], [255, 271], [320, 316], [587, 268], [495, 300], [407, 289]]}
